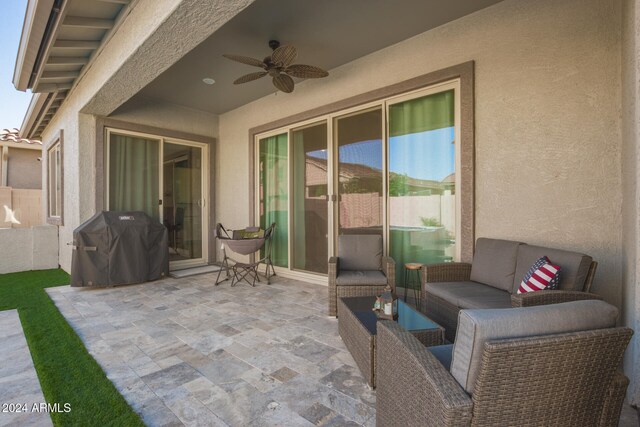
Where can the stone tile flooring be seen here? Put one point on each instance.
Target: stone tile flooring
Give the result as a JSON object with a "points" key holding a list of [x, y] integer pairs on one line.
{"points": [[18, 380], [182, 351]]}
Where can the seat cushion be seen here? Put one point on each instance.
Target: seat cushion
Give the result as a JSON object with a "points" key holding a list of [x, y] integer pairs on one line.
{"points": [[475, 327], [574, 266], [360, 277], [494, 263], [470, 294], [360, 252], [443, 353]]}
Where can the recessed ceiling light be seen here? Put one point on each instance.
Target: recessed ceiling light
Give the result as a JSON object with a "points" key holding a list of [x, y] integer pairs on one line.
{"points": [[208, 80]]}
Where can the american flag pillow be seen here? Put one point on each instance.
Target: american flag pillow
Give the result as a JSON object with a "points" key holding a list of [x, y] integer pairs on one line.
{"points": [[542, 275]]}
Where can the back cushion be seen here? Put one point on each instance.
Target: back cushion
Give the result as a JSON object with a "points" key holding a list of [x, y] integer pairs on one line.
{"points": [[475, 327], [494, 263], [360, 252], [574, 266]]}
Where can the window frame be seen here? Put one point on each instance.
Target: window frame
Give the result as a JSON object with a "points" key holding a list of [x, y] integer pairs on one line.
{"points": [[57, 143]]}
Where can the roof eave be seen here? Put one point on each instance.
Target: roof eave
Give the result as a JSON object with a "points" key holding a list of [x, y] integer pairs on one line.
{"points": [[36, 105], [33, 29]]}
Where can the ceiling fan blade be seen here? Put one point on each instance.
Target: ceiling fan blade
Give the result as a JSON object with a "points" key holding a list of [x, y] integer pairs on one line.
{"points": [[249, 77], [283, 83], [284, 55], [245, 60], [305, 71]]}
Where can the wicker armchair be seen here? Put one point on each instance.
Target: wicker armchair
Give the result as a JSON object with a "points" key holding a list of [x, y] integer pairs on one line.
{"points": [[359, 269], [561, 379], [574, 286]]}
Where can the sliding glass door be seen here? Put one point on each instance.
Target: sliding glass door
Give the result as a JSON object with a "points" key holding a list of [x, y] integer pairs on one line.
{"points": [[359, 172], [182, 201], [166, 179], [422, 179], [273, 193], [389, 168], [309, 233]]}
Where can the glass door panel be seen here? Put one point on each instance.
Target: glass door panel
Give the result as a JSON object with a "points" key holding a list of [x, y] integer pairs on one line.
{"points": [[422, 207], [359, 174], [309, 251], [183, 201], [273, 190], [134, 174]]}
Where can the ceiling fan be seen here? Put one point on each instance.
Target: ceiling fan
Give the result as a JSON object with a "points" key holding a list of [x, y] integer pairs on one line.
{"points": [[279, 66]]}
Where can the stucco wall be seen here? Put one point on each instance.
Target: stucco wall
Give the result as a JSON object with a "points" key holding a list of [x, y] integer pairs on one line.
{"points": [[547, 121], [23, 169], [34, 248], [167, 116], [154, 35], [630, 177]]}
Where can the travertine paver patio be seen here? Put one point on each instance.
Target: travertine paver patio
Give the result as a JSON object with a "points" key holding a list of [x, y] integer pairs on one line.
{"points": [[182, 351], [19, 383]]}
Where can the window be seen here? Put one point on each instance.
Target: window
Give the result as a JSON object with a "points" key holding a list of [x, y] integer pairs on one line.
{"points": [[54, 182]]}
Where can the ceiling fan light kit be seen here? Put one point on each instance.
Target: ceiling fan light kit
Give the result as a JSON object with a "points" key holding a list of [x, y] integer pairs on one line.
{"points": [[279, 66]]}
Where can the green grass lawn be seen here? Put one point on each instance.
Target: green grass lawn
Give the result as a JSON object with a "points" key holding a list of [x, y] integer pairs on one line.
{"points": [[67, 373]]}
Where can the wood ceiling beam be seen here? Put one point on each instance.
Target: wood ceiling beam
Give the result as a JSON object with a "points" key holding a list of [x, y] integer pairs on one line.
{"points": [[84, 22], [52, 87], [67, 60], [116, 1], [77, 44], [57, 75]]}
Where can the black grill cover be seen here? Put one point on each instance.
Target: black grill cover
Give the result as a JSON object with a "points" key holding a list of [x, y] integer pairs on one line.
{"points": [[119, 248]]}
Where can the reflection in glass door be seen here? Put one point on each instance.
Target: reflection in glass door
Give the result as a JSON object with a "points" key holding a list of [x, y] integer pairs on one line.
{"points": [[422, 180], [309, 250], [359, 174], [182, 201]]}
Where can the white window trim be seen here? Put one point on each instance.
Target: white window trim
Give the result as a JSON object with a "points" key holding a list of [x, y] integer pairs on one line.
{"points": [[57, 141]]}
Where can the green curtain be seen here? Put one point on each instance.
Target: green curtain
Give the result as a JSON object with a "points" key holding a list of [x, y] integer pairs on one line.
{"points": [[133, 174], [274, 194], [422, 114], [299, 216], [414, 243]]}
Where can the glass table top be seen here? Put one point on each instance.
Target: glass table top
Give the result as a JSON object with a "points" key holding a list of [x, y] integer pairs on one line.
{"points": [[408, 317]]}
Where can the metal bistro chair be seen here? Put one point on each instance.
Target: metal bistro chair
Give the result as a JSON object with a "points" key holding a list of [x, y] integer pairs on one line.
{"points": [[245, 242]]}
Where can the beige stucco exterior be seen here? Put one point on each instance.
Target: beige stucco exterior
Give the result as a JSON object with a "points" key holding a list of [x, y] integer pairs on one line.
{"points": [[147, 42], [547, 122], [556, 127], [23, 169]]}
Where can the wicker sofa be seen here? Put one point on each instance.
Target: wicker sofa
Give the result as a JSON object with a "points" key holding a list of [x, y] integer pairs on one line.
{"points": [[552, 365], [359, 270], [493, 278]]}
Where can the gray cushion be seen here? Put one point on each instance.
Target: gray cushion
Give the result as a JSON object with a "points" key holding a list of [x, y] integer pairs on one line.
{"points": [[360, 252], [470, 294], [443, 353], [368, 277], [475, 327], [574, 266], [494, 262]]}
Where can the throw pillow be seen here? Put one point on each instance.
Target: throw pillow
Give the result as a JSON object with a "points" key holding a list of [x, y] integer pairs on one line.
{"points": [[542, 275]]}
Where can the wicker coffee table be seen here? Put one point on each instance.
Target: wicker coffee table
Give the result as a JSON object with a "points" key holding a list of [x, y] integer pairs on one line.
{"points": [[357, 328]]}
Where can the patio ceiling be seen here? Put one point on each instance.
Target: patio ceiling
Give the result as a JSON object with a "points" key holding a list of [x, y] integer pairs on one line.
{"points": [[328, 34]]}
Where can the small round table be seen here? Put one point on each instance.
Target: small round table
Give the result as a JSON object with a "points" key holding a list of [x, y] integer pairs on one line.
{"points": [[412, 280]]}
